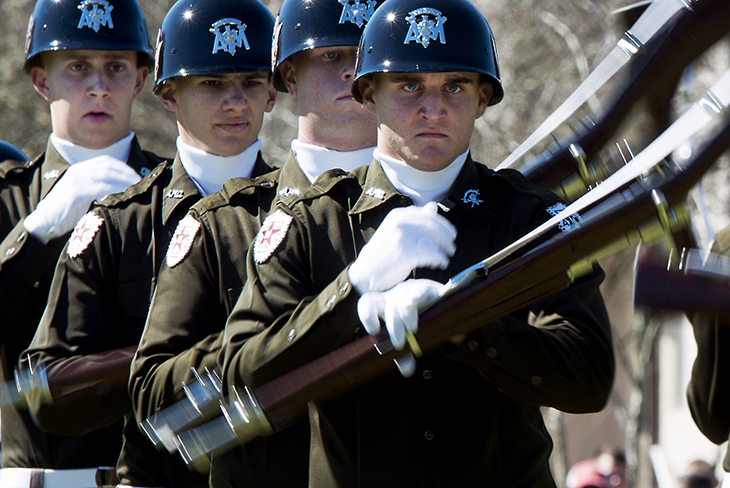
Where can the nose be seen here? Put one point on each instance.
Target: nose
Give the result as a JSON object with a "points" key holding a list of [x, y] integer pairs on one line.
{"points": [[235, 99], [432, 105], [99, 84]]}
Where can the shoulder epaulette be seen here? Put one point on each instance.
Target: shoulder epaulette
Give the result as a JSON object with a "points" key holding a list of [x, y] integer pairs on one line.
{"points": [[139, 188], [519, 183], [10, 165], [326, 182], [232, 188]]}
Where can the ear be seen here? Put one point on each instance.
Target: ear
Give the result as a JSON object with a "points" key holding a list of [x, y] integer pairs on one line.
{"points": [[39, 77], [142, 73], [485, 94], [286, 70], [272, 98], [167, 95], [366, 85]]}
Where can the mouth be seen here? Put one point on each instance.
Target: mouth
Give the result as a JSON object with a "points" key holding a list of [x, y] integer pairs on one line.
{"points": [[234, 127], [432, 134], [97, 115]]}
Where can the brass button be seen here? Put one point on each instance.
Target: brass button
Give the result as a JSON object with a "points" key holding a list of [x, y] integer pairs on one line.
{"points": [[536, 380], [428, 435], [344, 288], [473, 345], [491, 352], [21, 236], [427, 375], [291, 335], [10, 251], [331, 301]]}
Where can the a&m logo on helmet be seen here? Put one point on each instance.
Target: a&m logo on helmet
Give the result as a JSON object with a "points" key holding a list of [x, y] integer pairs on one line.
{"points": [[95, 13], [357, 13], [426, 25], [229, 35]]}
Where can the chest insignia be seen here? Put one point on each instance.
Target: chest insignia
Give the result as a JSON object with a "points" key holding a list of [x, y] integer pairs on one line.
{"points": [[470, 197], [270, 236], [565, 225], [376, 193], [181, 240], [49, 175], [174, 194], [287, 192], [83, 234]]}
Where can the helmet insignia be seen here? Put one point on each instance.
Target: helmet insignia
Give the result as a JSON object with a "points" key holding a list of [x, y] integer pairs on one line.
{"points": [[94, 14], [357, 13], [426, 25], [229, 35]]}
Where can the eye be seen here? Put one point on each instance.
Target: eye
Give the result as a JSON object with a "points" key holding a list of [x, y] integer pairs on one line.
{"points": [[77, 67], [331, 54], [117, 68], [453, 88], [211, 82], [410, 87], [252, 83]]}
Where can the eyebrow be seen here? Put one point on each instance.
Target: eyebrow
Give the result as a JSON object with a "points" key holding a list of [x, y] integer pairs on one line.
{"points": [[415, 78]]}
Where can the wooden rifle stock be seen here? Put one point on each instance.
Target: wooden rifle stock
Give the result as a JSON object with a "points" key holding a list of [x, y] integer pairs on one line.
{"points": [[670, 289], [664, 59], [87, 376], [539, 273]]}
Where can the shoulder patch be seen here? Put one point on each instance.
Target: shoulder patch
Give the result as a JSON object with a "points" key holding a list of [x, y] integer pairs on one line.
{"points": [[270, 235], [565, 225], [181, 240], [83, 234]]}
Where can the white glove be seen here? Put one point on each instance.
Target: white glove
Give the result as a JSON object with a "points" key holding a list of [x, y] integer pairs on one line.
{"points": [[398, 307], [70, 198], [408, 238]]}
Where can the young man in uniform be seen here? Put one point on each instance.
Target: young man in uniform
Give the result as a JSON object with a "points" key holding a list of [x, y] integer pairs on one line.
{"points": [[708, 395], [314, 58], [213, 72], [89, 60], [337, 255]]}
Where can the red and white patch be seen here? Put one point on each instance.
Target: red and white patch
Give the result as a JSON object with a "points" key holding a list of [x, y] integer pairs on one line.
{"points": [[83, 234], [270, 236], [182, 240]]}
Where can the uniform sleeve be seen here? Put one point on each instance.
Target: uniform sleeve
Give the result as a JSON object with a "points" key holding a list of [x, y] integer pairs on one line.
{"points": [[280, 322], [81, 318], [23, 261], [183, 328], [557, 352], [708, 394]]}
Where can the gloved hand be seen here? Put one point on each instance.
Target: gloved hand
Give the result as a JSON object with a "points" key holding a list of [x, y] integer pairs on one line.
{"points": [[408, 238], [70, 198], [399, 307]]}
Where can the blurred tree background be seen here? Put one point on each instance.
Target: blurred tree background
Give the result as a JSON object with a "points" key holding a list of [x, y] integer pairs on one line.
{"points": [[545, 47]]}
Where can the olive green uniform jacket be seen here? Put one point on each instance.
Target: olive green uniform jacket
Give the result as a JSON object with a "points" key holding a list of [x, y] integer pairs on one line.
{"points": [[26, 271], [195, 296], [708, 391], [99, 302], [470, 415]]}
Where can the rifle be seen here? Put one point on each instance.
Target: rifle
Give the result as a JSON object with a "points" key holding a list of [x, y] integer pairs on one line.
{"points": [[76, 378], [481, 294], [569, 167]]}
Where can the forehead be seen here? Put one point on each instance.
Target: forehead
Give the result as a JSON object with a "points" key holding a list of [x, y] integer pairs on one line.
{"points": [[234, 77]]}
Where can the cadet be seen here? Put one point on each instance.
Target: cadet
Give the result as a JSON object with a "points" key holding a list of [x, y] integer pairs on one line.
{"points": [[708, 395], [213, 72], [89, 59], [314, 58], [470, 415]]}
